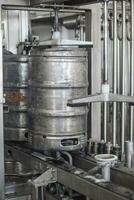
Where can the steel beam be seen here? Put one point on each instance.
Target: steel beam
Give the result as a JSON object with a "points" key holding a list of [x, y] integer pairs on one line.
{"points": [[2, 191], [93, 23], [38, 2], [45, 8], [70, 2]]}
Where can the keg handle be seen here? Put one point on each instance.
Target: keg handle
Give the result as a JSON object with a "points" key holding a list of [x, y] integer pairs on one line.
{"points": [[6, 109], [71, 146]]}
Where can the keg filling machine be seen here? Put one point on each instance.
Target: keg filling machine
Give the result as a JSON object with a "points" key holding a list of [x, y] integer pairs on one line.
{"points": [[61, 164]]}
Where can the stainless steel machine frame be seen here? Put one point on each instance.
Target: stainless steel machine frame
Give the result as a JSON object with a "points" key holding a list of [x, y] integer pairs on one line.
{"points": [[69, 176], [77, 178], [2, 179], [23, 8]]}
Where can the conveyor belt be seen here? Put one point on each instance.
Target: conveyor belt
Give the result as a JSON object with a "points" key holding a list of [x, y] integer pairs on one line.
{"points": [[68, 177]]}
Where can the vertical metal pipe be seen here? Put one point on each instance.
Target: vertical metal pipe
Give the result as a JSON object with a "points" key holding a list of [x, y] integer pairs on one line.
{"points": [[37, 193], [82, 33], [118, 67], [42, 193], [129, 151], [114, 69], [132, 71], [2, 189], [118, 137], [56, 20], [105, 122], [123, 74], [105, 41], [105, 63], [106, 172]]}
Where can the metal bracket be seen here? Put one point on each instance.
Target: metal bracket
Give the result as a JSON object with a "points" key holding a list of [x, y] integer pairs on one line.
{"points": [[49, 176], [63, 42], [104, 96], [107, 97]]}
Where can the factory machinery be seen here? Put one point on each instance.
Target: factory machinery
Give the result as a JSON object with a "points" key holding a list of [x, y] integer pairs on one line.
{"points": [[50, 108]]}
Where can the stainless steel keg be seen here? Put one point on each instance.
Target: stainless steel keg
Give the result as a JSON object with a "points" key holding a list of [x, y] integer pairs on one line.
{"points": [[15, 78], [58, 74]]}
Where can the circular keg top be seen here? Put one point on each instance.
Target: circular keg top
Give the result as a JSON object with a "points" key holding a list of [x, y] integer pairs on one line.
{"points": [[106, 157], [15, 58], [58, 51]]}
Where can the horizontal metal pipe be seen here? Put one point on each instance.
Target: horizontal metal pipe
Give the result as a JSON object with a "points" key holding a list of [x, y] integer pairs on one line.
{"points": [[63, 7], [25, 8], [49, 9]]}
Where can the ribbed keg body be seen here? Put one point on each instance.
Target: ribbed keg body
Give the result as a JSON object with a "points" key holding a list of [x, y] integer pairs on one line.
{"points": [[16, 80], [58, 74]]}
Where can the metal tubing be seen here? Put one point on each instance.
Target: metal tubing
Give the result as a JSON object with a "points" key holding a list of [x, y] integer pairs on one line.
{"points": [[132, 71], [115, 69], [2, 189], [118, 67], [105, 122], [63, 6], [36, 193], [105, 63], [105, 41], [82, 33], [42, 193], [49, 9], [118, 129], [25, 8], [69, 157], [129, 151], [56, 21], [106, 172], [123, 74]]}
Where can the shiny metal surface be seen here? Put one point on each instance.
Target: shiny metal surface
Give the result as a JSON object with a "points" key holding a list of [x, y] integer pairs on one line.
{"points": [[12, 167], [78, 179], [17, 186], [58, 74], [105, 66], [16, 126], [129, 152], [132, 71], [123, 74], [16, 119], [2, 180], [25, 197], [37, 2], [15, 71], [115, 71], [16, 78]]}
